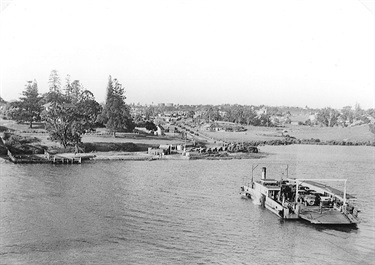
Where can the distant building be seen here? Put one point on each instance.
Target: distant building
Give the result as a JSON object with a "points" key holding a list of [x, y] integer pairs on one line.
{"points": [[166, 149], [313, 118], [159, 131], [223, 113], [261, 111], [47, 106], [371, 119]]}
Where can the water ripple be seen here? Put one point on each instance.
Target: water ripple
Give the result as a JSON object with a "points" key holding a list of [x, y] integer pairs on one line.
{"points": [[176, 212]]}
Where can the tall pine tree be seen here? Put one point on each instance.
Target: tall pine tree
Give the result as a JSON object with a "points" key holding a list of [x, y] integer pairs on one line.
{"points": [[116, 114], [29, 107], [54, 96], [73, 90], [54, 82]]}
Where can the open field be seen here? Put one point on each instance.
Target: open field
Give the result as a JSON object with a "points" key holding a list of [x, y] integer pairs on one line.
{"points": [[355, 134], [352, 134], [120, 138]]}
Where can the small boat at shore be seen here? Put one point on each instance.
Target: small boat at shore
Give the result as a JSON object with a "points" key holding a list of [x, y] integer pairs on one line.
{"points": [[306, 199]]}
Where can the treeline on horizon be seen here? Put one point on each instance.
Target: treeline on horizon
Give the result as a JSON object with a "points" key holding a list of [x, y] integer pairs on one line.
{"points": [[262, 115]]}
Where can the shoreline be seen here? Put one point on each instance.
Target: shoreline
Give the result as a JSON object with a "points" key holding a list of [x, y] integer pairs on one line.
{"points": [[140, 156], [128, 156]]}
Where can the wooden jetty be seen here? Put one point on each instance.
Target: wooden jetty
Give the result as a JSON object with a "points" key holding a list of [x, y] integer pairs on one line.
{"points": [[49, 157], [59, 159], [68, 158]]}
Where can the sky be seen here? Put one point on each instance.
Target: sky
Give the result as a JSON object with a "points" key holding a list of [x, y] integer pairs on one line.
{"points": [[315, 53]]}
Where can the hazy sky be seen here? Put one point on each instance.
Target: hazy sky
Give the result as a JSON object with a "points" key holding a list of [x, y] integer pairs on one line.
{"points": [[317, 53]]}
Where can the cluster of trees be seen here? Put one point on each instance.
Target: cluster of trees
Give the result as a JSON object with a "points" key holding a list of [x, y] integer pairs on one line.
{"points": [[331, 117], [237, 114], [71, 110]]}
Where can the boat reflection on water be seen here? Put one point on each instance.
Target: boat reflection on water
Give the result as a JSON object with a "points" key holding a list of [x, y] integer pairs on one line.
{"points": [[351, 228]]}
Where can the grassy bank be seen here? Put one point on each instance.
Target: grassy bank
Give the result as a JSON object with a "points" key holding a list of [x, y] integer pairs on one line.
{"points": [[359, 135], [36, 140]]}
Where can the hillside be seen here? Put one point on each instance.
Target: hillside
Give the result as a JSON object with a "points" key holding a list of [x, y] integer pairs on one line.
{"points": [[349, 134]]}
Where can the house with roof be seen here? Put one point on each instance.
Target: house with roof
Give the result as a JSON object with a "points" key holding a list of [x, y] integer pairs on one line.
{"points": [[160, 130]]}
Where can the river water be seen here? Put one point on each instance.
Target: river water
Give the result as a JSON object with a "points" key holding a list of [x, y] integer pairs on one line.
{"points": [[177, 212]]}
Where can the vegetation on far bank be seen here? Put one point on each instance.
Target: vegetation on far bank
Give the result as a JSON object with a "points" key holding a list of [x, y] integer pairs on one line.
{"points": [[69, 115]]}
